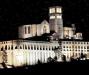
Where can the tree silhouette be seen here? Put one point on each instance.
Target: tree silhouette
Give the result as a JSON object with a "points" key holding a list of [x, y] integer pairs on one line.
{"points": [[55, 58], [49, 59]]}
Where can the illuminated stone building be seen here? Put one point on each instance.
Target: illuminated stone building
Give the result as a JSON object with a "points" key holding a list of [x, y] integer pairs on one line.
{"points": [[63, 41]]}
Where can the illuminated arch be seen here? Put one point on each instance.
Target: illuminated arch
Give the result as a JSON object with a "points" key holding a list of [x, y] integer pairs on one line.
{"points": [[20, 47], [16, 47], [11, 47], [28, 47]]}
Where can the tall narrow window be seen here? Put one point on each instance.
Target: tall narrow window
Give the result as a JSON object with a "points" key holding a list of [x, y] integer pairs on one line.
{"points": [[11, 47], [44, 29], [6, 47], [25, 47], [29, 30], [28, 47]]}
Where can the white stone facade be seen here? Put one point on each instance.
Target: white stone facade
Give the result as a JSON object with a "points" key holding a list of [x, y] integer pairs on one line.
{"points": [[75, 48], [28, 31], [25, 52]]}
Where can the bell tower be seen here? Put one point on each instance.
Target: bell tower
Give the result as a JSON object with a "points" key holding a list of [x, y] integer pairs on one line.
{"points": [[56, 21]]}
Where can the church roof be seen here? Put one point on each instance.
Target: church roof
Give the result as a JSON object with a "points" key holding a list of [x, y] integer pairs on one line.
{"points": [[44, 22]]}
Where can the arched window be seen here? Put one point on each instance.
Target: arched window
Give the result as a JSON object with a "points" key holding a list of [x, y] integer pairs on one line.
{"points": [[52, 48], [34, 47], [20, 47], [6, 47], [31, 47], [28, 47], [46, 48], [25, 47], [2, 49], [87, 47], [49, 48], [44, 29], [29, 30], [16, 47], [11, 47], [43, 47], [40, 48], [37, 48]]}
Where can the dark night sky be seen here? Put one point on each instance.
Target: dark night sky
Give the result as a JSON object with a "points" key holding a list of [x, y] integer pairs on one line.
{"points": [[14, 13]]}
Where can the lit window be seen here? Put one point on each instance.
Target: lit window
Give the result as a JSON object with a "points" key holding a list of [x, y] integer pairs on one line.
{"points": [[52, 10], [59, 10], [59, 16], [52, 17]]}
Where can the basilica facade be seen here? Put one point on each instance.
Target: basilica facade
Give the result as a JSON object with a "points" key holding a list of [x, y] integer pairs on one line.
{"points": [[63, 41]]}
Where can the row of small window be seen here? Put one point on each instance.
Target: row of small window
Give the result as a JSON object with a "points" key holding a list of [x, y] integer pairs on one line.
{"points": [[85, 47], [29, 47], [75, 42], [75, 50]]}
